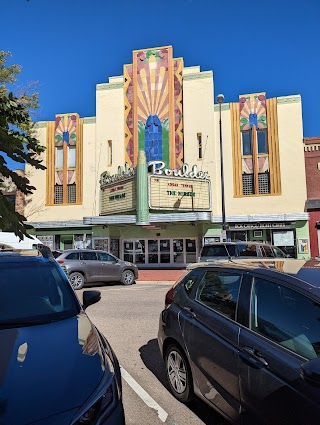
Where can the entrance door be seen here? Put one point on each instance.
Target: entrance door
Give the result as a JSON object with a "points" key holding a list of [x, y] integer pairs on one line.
{"points": [[165, 256], [153, 251]]}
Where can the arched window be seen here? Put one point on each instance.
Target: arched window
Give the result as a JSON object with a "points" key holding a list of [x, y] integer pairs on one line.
{"points": [[153, 138]]}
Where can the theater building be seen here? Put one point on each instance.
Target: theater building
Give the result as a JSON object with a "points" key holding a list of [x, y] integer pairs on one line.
{"points": [[141, 179]]}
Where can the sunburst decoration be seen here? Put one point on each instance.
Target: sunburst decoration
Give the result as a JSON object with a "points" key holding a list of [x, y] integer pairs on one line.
{"points": [[66, 129], [152, 79], [253, 111]]}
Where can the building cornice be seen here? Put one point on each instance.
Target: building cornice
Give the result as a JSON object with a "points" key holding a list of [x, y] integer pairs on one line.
{"points": [[109, 86], [288, 99], [224, 107], [40, 124], [198, 76], [89, 120]]}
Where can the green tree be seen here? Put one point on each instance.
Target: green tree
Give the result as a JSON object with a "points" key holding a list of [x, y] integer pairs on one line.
{"points": [[17, 141]]}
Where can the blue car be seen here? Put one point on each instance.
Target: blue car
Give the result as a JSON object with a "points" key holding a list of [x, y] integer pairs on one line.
{"points": [[244, 336], [55, 366]]}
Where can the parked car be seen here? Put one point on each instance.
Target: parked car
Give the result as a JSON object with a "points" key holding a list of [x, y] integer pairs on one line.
{"points": [[244, 336], [56, 253], [218, 250], [88, 266], [55, 366]]}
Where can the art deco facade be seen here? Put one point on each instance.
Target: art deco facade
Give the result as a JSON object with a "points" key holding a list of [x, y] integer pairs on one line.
{"points": [[142, 177]]}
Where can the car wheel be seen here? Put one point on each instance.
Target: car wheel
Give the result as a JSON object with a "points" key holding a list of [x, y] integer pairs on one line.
{"points": [[179, 374], [76, 280], [127, 277]]}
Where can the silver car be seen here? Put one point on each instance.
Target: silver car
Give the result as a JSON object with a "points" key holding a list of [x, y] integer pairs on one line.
{"points": [[89, 266]]}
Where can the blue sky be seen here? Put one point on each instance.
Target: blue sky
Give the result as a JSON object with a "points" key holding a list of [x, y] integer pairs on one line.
{"points": [[69, 46]]}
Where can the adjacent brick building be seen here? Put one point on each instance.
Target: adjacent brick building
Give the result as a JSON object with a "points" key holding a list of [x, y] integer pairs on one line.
{"points": [[312, 163]]}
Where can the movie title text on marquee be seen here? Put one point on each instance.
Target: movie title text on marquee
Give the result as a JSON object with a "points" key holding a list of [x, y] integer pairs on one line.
{"points": [[116, 198], [179, 193]]}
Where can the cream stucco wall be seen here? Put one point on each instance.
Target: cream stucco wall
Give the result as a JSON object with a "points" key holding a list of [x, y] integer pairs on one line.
{"points": [[293, 181], [198, 95], [110, 124], [37, 210]]}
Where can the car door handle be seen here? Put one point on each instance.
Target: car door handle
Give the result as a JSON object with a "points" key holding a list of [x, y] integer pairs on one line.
{"points": [[190, 312], [253, 356], [83, 263]]}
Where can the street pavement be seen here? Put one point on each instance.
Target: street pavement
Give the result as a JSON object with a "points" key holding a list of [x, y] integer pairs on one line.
{"points": [[128, 316]]}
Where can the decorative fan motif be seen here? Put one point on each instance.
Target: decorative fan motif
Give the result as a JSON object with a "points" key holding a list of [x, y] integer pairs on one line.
{"points": [[152, 90], [65, 129], [153, 106], [253, 111]]}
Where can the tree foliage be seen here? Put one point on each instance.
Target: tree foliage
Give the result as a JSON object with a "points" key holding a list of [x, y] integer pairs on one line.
{"points": [[17, 141]]}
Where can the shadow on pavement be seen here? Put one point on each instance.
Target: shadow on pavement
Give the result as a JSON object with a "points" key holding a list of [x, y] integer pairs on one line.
{"points": [[151, 357]]}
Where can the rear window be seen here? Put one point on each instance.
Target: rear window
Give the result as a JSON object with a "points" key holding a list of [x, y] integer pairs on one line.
{"points": [[247, 250], [218, 251], [73, 256]]}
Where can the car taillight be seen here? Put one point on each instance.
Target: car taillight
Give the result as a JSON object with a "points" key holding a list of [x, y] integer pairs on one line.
{"points": [[60, 261], [169, 297]]}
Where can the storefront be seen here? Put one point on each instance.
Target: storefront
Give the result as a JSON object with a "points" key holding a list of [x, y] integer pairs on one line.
{"points": [[282, 234]]}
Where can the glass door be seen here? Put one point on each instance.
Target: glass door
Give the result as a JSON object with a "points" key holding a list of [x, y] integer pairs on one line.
{"points": [[153, 251], [191, 251], [165, 251], [128, 251], [178, 251], [139, 252]]}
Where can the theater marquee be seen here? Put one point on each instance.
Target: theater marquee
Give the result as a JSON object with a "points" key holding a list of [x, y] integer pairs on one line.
{"points": [[118, 197], [181, 194]]}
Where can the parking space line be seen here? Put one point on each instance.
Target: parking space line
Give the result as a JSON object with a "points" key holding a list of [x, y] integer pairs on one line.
{"points": [[162, 414]]}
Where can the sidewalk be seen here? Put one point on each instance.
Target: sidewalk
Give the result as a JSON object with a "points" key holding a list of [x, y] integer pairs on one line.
{"points": [[160, 275]]}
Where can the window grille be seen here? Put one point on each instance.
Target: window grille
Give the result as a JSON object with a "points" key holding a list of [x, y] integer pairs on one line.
{"points": [[71, 193], [247, 184], [264, 186], [58, 194]]}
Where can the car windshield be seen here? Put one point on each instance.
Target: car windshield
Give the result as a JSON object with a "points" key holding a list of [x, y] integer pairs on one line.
{"points": [[218, 251], [34, 293]]}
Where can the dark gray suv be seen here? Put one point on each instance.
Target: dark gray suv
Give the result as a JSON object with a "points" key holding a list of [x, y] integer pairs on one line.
{"points": [[89, 266]]}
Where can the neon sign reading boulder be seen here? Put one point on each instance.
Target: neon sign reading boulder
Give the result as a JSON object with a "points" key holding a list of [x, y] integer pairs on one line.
{"points": [[158, 168]]}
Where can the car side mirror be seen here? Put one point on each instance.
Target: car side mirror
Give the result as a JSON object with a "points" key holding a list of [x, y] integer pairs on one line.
{"points": [[90, 297], [310, 372]]}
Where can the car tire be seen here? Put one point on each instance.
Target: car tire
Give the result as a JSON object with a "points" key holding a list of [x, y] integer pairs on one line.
{"points": [[76, 280], [179, 374], [127, 277]]}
